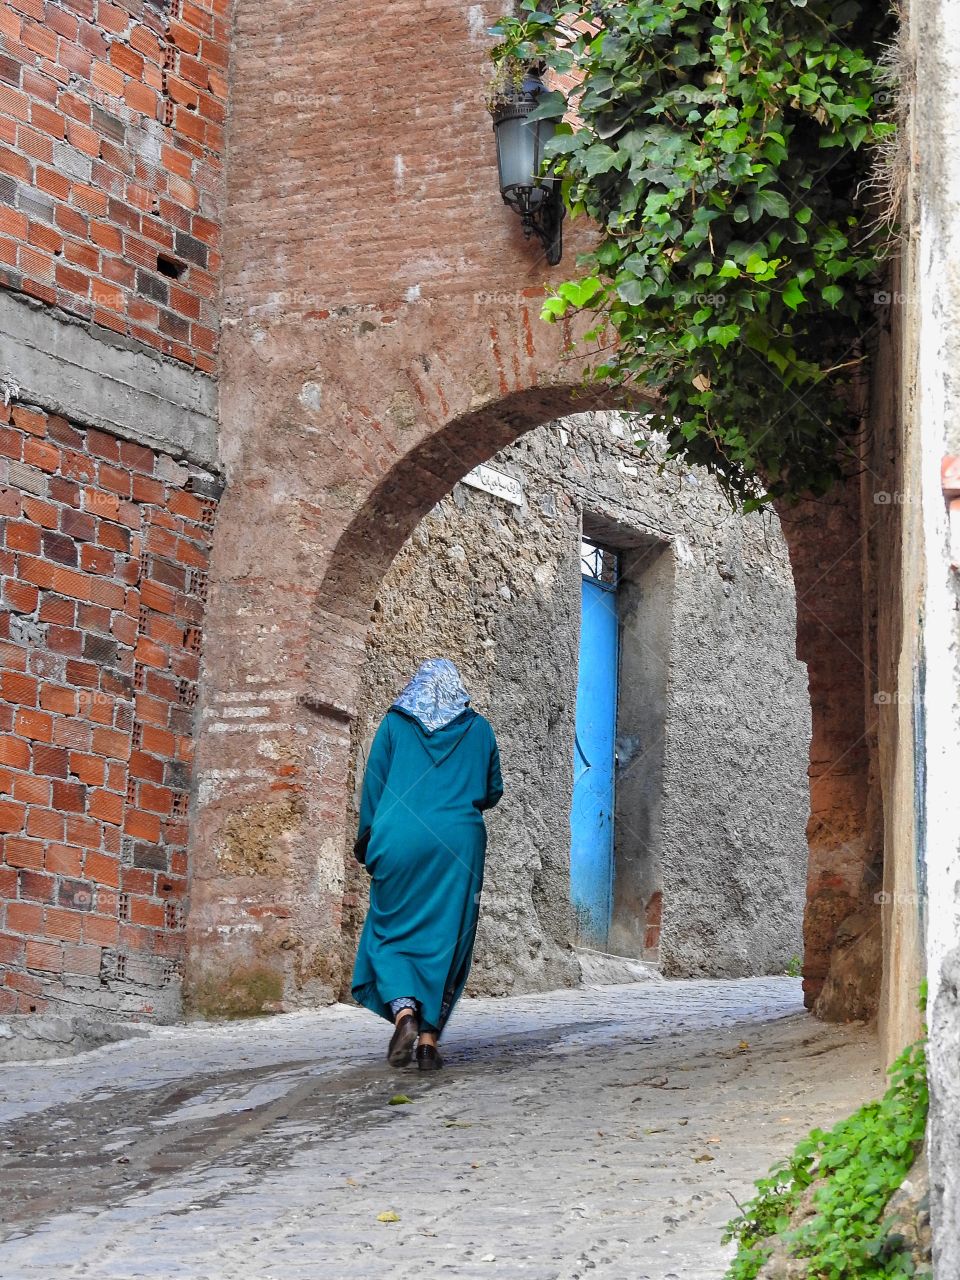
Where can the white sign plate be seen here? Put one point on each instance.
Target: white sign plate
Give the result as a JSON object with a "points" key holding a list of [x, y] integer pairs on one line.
{"points": [[496, 482]]}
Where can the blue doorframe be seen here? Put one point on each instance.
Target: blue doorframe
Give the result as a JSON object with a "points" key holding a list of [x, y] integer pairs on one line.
{"points": [[591, 815]]}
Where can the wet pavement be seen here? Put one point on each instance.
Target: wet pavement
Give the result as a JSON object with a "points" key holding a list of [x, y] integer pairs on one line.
{"points": [[604, 1132]]}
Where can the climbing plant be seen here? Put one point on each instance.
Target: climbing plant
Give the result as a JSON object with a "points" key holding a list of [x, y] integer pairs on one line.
{"points": [[856, 1167], [722, 147]]}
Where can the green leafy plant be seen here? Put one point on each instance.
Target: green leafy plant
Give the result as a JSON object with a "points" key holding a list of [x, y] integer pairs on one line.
{"points": [[794, 967], [720, 146], [506, 81], [857, 1165]]}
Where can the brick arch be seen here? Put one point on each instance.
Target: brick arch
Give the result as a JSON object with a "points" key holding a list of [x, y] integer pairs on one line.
{"points": [[268, 891], [379, 304], [411, 488], [424, 475], [844, 840], [362, 423]]}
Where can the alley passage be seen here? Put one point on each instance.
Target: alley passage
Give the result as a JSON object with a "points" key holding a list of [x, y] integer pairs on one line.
{"points": [[598, 1133]]}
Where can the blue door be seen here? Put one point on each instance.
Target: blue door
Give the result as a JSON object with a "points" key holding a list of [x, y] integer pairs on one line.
{"points": [[591, 816]]}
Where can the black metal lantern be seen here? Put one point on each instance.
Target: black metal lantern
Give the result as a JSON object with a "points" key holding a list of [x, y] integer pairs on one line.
{"points": [[520, 145]]}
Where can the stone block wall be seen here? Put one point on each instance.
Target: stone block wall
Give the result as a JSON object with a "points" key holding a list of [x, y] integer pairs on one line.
{"points": [[104, 547]]}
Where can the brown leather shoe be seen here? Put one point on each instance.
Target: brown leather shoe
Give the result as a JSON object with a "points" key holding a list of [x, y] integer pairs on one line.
{"points": [[402, 1041], [428, 1059]]}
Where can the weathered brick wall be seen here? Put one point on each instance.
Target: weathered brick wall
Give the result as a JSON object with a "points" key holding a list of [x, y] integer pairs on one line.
{"points": [[825, 541], [111, 144], [104, 548]]}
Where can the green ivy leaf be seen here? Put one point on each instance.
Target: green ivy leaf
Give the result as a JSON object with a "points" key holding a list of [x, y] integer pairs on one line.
{"points": [[723, 334], [708, 149], [550, 106], [793, 295], [633, 290], [771, 202], [580, 292], [562, 144], [553, 309], [600, 159]]}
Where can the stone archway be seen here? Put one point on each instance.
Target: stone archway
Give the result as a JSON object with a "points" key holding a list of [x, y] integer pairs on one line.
{"points": [[294, 575], [290, 603], [707, 863], [380, 337]]}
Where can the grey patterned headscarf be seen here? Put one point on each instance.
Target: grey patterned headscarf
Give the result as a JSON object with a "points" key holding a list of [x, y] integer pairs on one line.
{"points": [[436, 694]]}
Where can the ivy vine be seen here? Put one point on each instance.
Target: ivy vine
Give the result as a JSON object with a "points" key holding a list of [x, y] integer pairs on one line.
{"points": [[856, 1166], [722, 147]]}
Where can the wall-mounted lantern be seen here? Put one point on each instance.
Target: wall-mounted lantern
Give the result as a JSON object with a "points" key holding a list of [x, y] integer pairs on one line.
{"points": [[520, 144]]}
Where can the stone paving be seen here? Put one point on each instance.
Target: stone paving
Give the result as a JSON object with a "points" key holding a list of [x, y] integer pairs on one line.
{"points": [[598, 1132]]}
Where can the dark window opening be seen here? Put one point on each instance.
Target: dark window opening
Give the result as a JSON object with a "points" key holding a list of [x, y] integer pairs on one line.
{"points": [[170, 267]]}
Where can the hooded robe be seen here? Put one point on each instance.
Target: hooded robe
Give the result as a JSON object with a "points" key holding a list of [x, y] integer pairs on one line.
{"points": [[432, 770]]}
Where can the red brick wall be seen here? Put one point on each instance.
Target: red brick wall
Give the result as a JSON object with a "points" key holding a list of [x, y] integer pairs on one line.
{"points": [[103, 562], [111, 144], [826, 548]]}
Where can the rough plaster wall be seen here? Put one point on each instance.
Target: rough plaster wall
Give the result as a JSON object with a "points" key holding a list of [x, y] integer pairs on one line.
{"points": [[893, 563], [499, 605], [734, 850], [646, 620], [496, 587], [935, 42], [97, 378]]}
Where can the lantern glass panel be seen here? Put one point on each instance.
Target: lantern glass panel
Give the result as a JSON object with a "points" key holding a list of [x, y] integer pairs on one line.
{"points": [[520, 144]]}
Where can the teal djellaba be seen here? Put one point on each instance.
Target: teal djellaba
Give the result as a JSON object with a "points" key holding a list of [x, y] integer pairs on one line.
{"points": [[432, 770]]}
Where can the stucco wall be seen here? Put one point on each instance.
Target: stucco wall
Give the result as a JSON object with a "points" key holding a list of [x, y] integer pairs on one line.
{"points": [[934, 44], [496, 586]]}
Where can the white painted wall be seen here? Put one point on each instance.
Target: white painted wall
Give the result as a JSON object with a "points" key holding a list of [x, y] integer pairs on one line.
{"points": [[935, 38]]}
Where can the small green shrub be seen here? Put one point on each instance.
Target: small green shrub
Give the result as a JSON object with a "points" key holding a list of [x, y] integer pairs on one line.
{"points": [[861, 1162]]}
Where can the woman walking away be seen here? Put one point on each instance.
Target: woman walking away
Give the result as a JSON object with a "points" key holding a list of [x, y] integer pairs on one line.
{"points": [[433, 768]]}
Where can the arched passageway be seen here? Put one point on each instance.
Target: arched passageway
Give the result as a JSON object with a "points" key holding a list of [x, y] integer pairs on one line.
{"points": [[632, 639], [280, 876], [381, 338]]}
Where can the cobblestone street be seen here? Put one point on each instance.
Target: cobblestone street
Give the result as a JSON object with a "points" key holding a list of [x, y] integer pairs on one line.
{"points": [[599, 1132]]}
